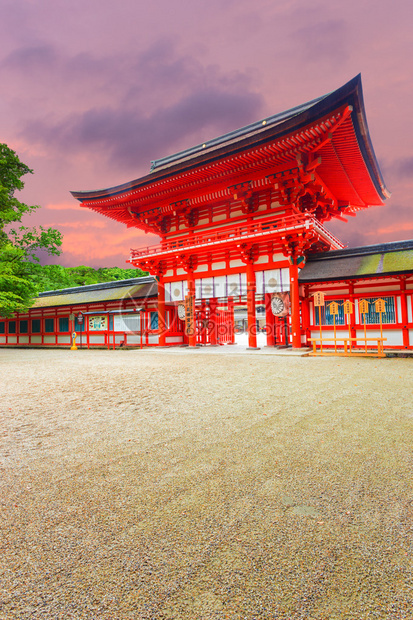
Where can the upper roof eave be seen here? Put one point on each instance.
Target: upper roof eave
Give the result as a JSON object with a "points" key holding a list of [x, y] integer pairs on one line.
{"points": [[350, 94]]}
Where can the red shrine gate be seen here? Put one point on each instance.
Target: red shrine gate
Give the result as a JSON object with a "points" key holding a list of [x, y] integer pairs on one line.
{"points": [[238, 215]]}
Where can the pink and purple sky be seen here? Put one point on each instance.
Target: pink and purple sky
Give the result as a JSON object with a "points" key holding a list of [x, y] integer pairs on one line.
{"points": [[92, 90]]}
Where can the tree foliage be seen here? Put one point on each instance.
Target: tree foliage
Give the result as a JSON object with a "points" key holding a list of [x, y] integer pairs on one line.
{"points": [[19, 244], [22, 276], [55, 277]]}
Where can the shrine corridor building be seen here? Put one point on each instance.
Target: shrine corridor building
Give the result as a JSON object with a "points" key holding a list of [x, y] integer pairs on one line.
{"points": [[241, 221]]}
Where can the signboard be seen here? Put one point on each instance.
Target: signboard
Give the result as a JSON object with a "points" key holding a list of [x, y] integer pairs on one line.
{"points": [[189, 315], [318, 299], [380, 305], [333, 307], [98, 323], [348, 307], [280, 304], [364, 306], [80, 318]]}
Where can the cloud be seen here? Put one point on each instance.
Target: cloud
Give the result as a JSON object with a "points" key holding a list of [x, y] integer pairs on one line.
{"points": [[391, 222], [190, 103], [323, 41], [103, 250], [40, 57], [400, 169], [59, 207]]}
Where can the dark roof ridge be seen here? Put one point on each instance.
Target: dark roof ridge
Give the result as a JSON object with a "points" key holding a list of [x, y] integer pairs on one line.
{"points": [[390, 246], [99, 286], [256, 126]]}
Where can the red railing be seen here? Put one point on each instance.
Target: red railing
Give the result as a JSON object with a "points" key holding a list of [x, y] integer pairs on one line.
{"points": [[231, 233]]}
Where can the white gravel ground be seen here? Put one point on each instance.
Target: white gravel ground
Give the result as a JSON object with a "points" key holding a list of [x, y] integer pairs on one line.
{"points": [[177, 485]]}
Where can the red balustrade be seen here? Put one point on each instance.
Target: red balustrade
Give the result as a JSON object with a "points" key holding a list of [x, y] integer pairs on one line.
{"points": [[228, 233]]}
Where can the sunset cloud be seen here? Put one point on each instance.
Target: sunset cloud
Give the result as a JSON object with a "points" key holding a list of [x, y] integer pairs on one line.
{"points": [[197, 103]]}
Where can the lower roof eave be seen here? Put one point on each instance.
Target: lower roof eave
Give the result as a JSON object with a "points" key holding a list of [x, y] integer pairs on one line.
{"points": [[364, 276]]}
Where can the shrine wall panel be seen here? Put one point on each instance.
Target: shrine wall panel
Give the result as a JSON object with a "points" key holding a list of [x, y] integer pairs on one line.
{"points": [[97, 339], [375, 288]]}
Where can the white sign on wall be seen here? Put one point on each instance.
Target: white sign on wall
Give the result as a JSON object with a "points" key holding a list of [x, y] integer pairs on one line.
{"points": [[98, 323]]}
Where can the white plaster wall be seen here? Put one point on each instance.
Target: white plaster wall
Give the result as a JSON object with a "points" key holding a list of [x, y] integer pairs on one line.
{"points": [[236, 263], [174, 340], [133, 339], [219, 265], [261, 260], [394, 337], [95, 339], [361, 290]]}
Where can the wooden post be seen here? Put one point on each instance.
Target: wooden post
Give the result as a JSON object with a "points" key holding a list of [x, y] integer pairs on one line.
{"points": [[405, 320], [213, 328], [352, 316], [252, 321], [231, 322], [161, 313], [295, 305], [269, 321], [305, 315], [192, 327]]}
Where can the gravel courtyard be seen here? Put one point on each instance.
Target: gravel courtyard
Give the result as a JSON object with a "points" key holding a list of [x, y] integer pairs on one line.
{"points": [[172, 485]]}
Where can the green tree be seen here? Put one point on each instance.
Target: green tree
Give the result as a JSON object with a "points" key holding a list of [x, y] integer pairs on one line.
{"points": [[19, 245], [55, 277]]}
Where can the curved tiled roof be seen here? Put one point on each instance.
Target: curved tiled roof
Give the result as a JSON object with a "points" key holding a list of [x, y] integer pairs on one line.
{"points": [[354, 263]]}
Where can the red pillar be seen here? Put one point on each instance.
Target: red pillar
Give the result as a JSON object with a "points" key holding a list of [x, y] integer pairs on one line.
{"points": [[353, 329], [161, 313], [269, 321], [252, 321], [231, 322], [405, 317], [305, 312], [295, 305], [213, 327], [192, 326]]}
